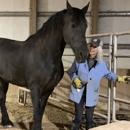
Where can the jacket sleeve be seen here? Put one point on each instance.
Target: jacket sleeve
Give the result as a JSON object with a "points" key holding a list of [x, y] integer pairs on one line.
{"points": [[72, 71], [108, 74], [111, 76]]}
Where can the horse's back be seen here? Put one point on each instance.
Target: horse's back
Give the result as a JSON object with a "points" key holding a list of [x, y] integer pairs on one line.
{"points": [[8, 49], [9, 57], [9, 43]]}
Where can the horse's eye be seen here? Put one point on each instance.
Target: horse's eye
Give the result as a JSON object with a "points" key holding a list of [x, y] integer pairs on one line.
{"points": [[73, 25]]}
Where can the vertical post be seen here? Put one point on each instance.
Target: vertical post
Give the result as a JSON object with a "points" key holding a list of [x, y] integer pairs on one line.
{"points": [[18, 95], [94, 21], [109, 82], [114, 87], [33, 17], [25, 97]]}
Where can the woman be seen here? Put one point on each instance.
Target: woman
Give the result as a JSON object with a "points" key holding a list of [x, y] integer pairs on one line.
{"points": [[92, 70]]}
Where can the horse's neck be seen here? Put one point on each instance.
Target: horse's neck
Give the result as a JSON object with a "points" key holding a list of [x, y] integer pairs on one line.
{"points": [[50, 39], [51, 43], [55, 45]]}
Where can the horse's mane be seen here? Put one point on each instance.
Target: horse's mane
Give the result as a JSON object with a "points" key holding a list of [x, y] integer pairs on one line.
{"points": [[51, 23]]}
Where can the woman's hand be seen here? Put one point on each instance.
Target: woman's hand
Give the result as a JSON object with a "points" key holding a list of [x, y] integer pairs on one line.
{"points": [[78, 83], [123, 78]]}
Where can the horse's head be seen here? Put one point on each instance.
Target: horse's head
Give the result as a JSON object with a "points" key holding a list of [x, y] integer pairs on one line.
{"points": [[74, 31]]}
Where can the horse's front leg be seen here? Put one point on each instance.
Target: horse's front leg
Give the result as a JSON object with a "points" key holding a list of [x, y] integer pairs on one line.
{"points": [[35, 95], [5, 118], [39, 104]]}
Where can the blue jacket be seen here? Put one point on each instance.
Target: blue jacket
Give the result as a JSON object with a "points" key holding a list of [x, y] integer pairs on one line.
{"points": [[81, 71]]}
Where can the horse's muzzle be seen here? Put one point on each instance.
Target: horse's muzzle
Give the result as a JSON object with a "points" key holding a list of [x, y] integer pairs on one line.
{"points": [[81, 57]]}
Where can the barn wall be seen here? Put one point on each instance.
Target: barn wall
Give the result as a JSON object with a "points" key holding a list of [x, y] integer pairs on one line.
{"points": [[11, 26], [113, 23]]}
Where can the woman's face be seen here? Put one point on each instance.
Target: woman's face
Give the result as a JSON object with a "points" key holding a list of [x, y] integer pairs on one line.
{"points": [[93, 50]]}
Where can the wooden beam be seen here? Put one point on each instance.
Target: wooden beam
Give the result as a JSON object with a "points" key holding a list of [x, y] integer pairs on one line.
{"points": [[33, 17], [95, 9]]}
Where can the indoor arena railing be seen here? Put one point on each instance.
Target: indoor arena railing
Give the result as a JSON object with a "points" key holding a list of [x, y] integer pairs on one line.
{"points": [[115, 98]]}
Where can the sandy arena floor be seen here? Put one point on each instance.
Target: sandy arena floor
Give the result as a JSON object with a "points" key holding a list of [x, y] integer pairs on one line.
{"points": [[55, 118]]}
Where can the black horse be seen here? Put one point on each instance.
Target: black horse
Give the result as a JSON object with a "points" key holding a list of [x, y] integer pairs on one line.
{"points": [[36, 62]]}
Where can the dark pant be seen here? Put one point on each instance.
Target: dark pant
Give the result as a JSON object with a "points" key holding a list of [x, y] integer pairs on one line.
{"points": [[79, 108]]}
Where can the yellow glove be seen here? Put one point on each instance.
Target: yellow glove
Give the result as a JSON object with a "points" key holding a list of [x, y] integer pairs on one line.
{"points": [[123, 78], [78, 83]]}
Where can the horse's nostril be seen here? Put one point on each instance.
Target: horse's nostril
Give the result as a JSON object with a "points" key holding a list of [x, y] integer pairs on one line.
{"points": [[81, 54]]}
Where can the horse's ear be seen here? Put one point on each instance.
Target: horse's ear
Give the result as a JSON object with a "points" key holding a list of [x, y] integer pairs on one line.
{"points": [[85, 8], [69, 7]]}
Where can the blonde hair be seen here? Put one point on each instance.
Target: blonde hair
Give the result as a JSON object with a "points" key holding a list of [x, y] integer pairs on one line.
{"points": [[99, 57]]}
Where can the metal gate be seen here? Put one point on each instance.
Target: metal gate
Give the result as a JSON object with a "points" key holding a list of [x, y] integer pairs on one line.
{"points": [[116, 55]]}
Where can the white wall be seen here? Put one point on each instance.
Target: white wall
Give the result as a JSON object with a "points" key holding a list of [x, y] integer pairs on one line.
{"points": [[57, 5], [114, 5], [14, 5], [116, 23], [14, 27]]}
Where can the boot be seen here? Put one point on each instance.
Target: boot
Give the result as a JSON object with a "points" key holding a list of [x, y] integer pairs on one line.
{"points": [[74, 126], [89, 126]]}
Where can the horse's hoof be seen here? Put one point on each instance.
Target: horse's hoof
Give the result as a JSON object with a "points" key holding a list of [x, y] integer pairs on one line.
{"points": [[8, 126], [38, 128]]}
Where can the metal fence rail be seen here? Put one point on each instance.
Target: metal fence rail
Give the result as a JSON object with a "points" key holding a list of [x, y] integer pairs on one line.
{"points": [[115, 99]]}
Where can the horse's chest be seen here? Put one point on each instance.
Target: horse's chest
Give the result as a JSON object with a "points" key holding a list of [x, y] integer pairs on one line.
{"points": [[54, 75]]}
